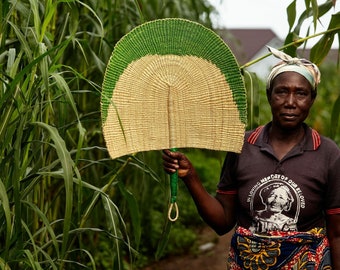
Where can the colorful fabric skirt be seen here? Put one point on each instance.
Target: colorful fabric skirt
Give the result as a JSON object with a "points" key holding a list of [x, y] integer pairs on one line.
{"points": [[279, 250]]}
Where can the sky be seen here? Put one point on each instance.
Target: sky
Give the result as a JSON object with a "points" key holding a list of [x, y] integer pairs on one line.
{"points": [[261, 14]]}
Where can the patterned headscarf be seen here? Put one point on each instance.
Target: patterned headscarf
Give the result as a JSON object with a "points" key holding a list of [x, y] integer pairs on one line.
{"points": [[302, 66]]}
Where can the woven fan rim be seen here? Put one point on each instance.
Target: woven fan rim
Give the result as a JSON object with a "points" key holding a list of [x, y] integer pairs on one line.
{"points": [[233, 66]]}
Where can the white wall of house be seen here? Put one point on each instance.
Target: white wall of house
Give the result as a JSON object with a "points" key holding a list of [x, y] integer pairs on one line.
{"points": [[263, 67]]}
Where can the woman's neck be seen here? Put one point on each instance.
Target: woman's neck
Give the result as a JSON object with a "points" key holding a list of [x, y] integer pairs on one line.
{"points": [[283, 140]]}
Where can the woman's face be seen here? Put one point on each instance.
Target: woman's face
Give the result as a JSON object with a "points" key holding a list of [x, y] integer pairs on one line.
{"points": [[290, 99]]}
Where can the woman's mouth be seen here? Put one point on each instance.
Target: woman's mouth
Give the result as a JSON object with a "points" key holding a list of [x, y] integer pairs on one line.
{"points": [[288, 116]]}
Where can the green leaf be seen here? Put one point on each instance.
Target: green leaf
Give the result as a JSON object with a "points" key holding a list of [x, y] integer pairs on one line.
{"points": [[4, 265], [34, 7], [320, 50], [133, 210], [113, 219], [291, 14], [315, 9], [46, 226], [67, 165], [164, 240], [335, 118], [322, 9], [34, 265], [291, 50], [7, 211], [335, 22]]}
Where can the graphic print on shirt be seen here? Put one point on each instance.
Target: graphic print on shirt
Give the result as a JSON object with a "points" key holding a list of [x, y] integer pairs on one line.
{"points": [[275, 204]]}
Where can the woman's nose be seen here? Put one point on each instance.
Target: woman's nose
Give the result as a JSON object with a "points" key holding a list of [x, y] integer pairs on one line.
{"points": [[290, 100]]}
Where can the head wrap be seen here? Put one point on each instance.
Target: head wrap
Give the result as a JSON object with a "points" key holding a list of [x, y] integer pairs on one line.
{"points": [[302, 66]]}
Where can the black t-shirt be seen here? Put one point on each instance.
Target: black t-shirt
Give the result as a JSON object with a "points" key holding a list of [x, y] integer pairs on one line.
{"points": [[292, 194]]}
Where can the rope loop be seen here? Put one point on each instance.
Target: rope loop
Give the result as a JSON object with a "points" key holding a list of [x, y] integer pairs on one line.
{"points": [[172, 205]]}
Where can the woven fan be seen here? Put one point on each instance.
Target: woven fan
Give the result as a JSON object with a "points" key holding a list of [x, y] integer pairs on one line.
{"points": [[172, 83]]}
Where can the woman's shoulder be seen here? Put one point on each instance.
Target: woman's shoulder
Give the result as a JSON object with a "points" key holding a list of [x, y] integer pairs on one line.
{"points": [[324, 143], [251, 136], [329, 143]]}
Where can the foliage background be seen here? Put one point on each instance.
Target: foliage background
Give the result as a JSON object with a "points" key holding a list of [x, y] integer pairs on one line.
{"points": [[64, 203]]}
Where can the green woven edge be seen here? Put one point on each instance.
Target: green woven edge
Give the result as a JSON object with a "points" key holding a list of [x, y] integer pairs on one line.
{"points": [[179, 37]]}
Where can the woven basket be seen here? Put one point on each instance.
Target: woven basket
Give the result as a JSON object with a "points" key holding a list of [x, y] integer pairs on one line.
{"points": [[172, 83]]}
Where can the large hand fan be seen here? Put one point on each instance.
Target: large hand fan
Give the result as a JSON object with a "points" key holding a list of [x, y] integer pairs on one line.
{"points": [[172, 83]]}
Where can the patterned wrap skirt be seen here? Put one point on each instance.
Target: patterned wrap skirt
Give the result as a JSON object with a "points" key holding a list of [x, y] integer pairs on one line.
{"points": [[279, 250]]}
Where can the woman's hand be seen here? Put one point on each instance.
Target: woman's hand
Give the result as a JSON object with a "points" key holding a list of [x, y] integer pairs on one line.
{"points": [[176, 161]]}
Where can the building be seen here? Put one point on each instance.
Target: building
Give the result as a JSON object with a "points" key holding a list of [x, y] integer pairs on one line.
{"points": [[250, 44]]}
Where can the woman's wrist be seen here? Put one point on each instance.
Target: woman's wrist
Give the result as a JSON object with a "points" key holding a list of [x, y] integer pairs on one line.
{"points": [[191, 175]]}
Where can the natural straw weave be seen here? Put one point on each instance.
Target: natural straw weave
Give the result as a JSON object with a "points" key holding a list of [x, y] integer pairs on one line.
{"points": [[172, 83]]}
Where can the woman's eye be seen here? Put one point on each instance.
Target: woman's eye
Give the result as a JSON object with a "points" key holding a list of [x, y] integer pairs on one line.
{"points": [[280, 92], [301, 93]]}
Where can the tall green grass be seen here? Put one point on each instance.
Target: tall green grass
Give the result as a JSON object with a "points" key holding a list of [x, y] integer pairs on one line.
{"points": [[55, 173], [60, 192]]}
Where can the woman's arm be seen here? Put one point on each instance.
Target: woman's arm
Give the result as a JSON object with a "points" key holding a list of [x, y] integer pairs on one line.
{"points": [[218, 212]]}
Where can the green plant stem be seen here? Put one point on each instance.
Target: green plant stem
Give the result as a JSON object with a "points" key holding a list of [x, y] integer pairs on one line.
{"points": [[94, 201], [103, 190]]}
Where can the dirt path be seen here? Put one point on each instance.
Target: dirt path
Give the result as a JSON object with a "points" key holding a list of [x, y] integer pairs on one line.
{"points": [[211, 255]]}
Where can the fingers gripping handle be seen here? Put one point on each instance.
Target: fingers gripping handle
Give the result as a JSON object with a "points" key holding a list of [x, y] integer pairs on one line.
{"points": [[173, 194]]}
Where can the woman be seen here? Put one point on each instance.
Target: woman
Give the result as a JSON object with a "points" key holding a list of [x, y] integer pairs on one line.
{"points": [[286, 153]]}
